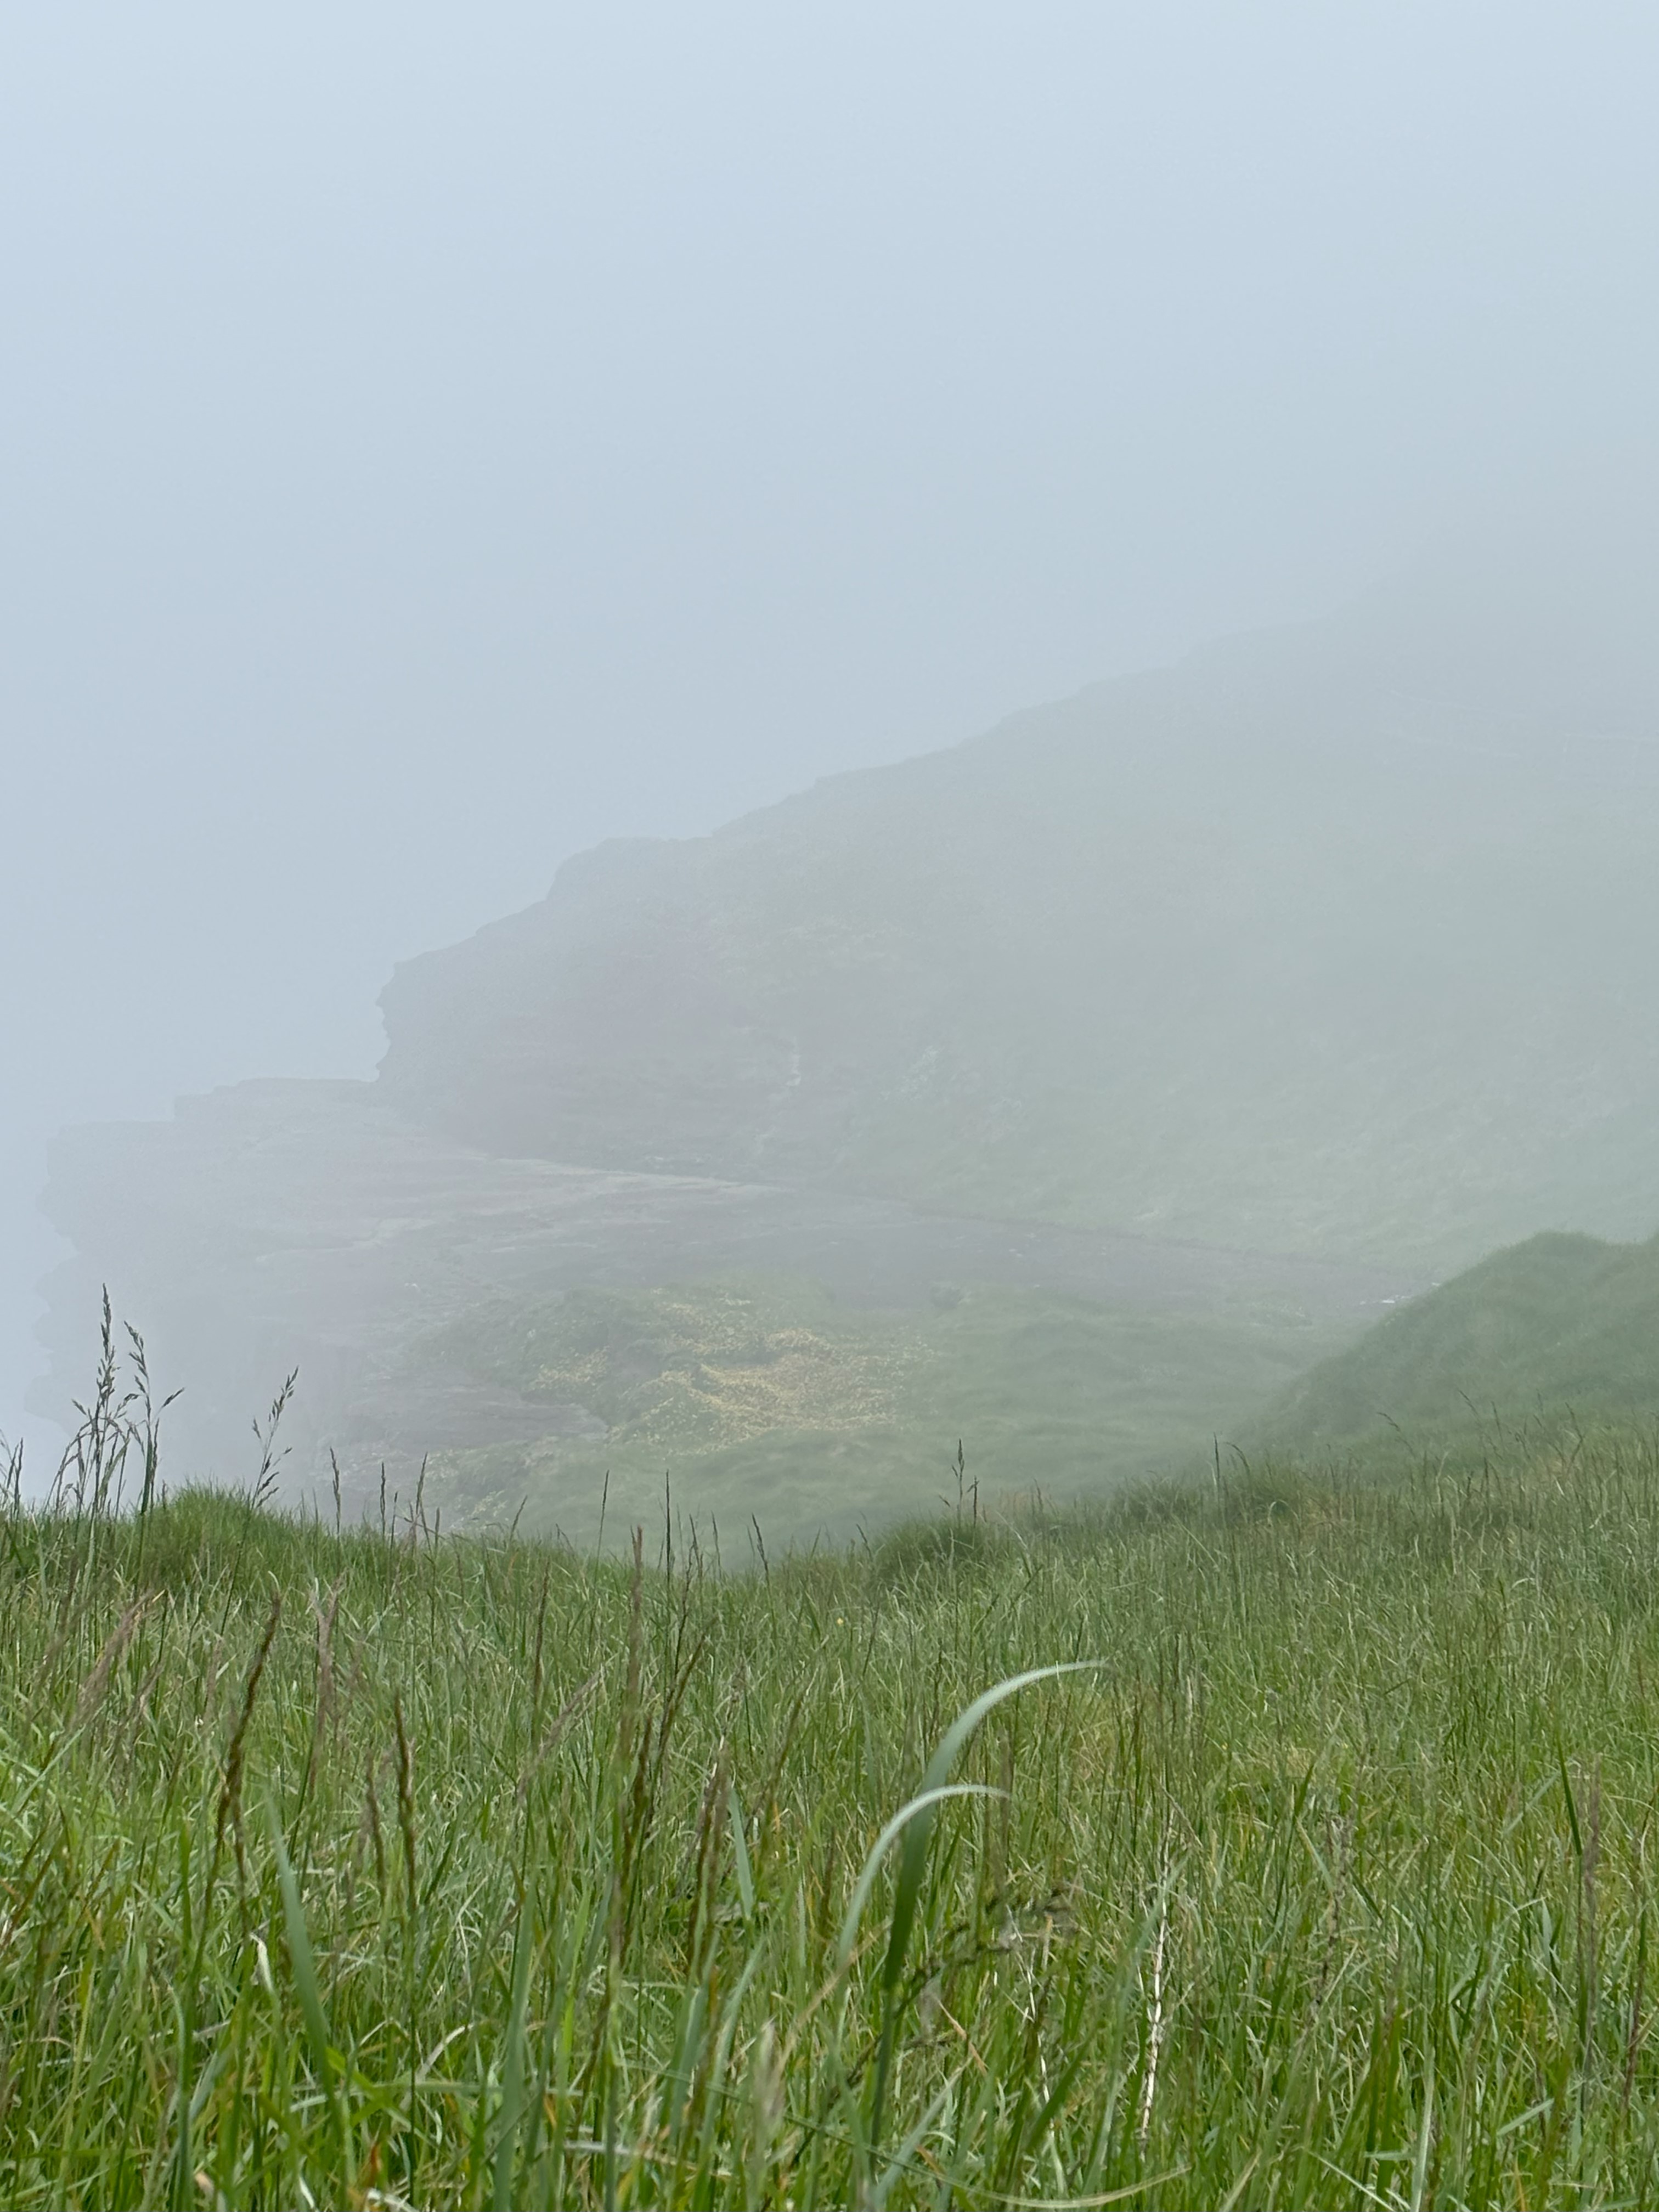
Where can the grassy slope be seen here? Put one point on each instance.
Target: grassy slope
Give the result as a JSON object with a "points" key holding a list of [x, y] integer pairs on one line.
{"points": [[1252, 952], [1558, 1324], [762, 1397], [1329, 1887]]}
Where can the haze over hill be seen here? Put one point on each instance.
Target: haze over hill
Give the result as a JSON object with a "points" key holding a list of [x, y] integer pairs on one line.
{"points": [[1231, 1000], [1333, 939]]}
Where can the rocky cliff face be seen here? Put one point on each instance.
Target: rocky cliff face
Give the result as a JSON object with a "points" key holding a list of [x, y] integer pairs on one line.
{"points": [[1334, 944]]}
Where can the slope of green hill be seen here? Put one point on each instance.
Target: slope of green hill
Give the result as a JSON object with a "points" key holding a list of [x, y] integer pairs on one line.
{"points": [[1335, 939], [1559, 1325]]}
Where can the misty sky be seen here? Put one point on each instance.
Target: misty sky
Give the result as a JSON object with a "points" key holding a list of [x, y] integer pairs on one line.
{"points": [[432, 439]]}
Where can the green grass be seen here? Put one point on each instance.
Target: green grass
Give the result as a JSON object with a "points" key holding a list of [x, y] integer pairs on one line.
{"points": [[764, 1395], [365, 1868], [1556, 1326]]}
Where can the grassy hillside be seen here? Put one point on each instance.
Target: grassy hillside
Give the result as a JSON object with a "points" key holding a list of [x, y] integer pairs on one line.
{"points": [[769, 1398], [1559, 1325], [1333, 939], [366, 1869]]}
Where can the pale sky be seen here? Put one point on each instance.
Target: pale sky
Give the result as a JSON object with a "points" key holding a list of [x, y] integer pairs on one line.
{"points": [[434, 439]]}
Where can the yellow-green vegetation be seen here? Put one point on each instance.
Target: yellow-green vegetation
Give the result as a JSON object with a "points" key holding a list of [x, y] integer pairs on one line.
{"points": [[699, 1366], [769, 1397], [368, 1868]]}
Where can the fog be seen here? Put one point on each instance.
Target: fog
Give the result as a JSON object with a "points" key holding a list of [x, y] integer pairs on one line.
{"points": [[436, 441]]}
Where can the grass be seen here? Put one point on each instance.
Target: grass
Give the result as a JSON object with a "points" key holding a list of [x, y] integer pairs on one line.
{"points": [[1556, 1323], [359, 1866], [769, 1395]]}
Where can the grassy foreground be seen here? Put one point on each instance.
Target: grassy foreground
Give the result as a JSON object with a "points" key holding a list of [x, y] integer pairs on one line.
{"points": [[369, 1870]]}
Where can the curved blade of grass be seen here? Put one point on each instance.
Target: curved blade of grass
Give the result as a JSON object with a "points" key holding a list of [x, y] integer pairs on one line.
{"points": [[866, 1880], [913, 1861]]}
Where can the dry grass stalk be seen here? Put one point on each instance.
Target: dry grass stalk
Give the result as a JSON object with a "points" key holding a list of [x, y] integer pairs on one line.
{"points": [[96, 1686]]}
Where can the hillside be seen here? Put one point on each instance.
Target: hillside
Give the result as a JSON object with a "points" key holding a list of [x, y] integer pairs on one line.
{"points": [[1333, 939], [1223, 1002], [1558, 1326]]}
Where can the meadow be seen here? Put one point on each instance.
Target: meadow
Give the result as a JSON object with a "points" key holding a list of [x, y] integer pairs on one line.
{"points": [[769, 1395], [373, 1867]]}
